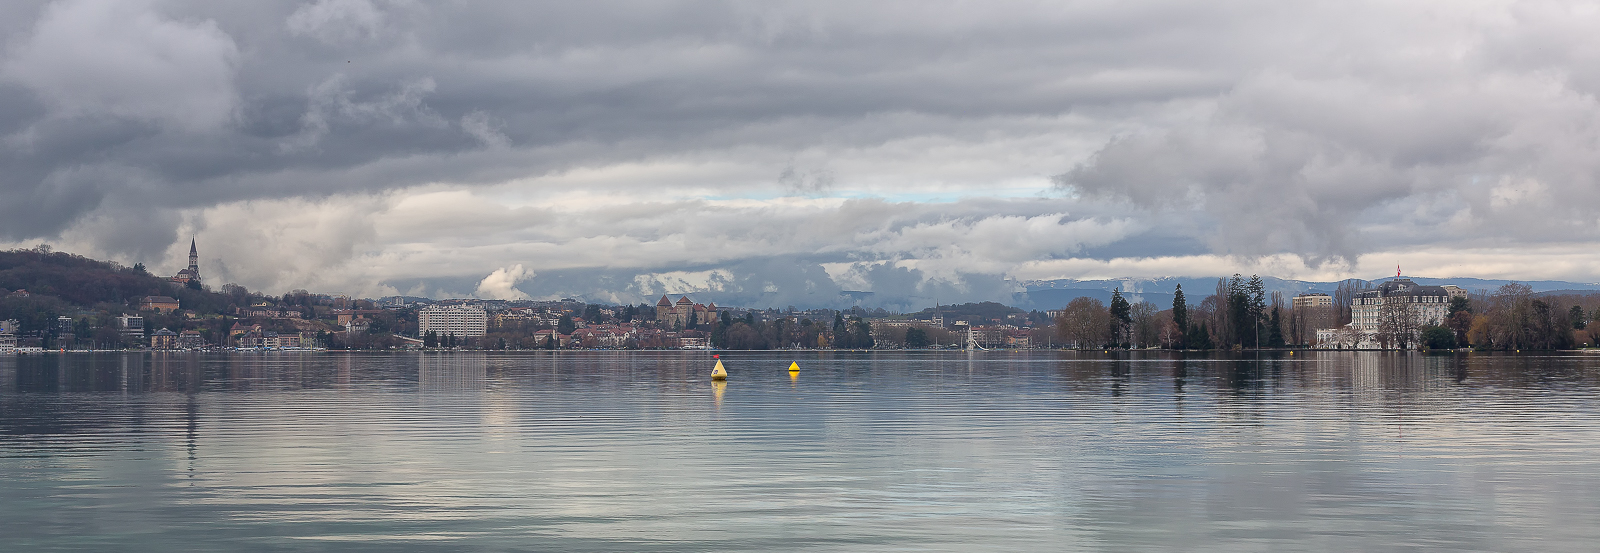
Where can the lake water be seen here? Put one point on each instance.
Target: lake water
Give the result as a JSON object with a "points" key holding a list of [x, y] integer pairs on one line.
{"points": [[639, 451]]}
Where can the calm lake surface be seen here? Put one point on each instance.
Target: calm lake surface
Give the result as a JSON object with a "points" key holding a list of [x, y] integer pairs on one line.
{"points": [[639, 451]]}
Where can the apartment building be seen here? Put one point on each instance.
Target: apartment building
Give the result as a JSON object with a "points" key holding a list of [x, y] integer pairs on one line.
{"points": [[453, 320]]}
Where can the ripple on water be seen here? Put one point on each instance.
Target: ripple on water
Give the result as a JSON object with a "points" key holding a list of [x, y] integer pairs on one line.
{"points": [[880, 450]]}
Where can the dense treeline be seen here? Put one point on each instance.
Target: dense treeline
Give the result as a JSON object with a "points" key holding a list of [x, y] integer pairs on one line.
{"points": [[1240, 315], [1513, 317], [747, 333]]}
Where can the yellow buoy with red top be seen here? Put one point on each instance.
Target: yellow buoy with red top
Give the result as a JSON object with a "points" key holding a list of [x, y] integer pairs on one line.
{"points": [[719, 373]]}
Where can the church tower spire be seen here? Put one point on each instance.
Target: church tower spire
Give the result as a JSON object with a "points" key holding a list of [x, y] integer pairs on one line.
{"points": [[194, 257]]}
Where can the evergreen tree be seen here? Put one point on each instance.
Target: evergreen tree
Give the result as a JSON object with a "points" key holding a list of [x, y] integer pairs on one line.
{"points": [[1274, 330], [1438, 337], [841, 334], [719, 335], [1200, 337], [1258, 307], [565, 325], [430, 340], [861, 334], [1180, 315], [1238, 313], [1120, 316], [916, 338], [1580, 320]]}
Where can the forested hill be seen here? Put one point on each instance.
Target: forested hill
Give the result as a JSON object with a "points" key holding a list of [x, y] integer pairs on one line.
{"points": [[58, 282], [981, 311], [75, 279]]}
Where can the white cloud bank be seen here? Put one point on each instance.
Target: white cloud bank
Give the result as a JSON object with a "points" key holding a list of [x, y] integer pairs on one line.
{"points": [[502, 284]]}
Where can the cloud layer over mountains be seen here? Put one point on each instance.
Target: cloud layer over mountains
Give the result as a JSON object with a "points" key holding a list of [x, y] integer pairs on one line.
{"points": [[779, 152]]}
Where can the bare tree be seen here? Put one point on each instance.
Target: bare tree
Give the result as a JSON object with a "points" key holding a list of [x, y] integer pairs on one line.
{"points": [[1510, 316], [1397, 324], [1084, 322], [1146, 331], [1222, 322], [1343, 296], [1206, 312]]}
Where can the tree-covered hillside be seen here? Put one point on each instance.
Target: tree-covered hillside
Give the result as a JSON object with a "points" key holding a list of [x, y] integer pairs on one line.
{"points": [[76, 279], [983, 311], [62, 284]]}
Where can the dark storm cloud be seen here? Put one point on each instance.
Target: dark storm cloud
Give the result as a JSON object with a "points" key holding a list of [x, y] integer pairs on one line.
{"points": [[1317, 129], [219, 102]]}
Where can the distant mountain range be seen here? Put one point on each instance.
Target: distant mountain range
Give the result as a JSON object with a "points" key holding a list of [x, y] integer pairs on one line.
{"points": [[1053, 294], [1044, 295]]}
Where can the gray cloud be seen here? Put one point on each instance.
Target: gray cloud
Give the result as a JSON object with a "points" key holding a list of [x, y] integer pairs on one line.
{"points": [[610, 139], [1399, 144], [97, 58]]}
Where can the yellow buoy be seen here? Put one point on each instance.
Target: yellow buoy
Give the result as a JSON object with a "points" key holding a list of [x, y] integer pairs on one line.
{"points": [[794, 367], [719, 373]]}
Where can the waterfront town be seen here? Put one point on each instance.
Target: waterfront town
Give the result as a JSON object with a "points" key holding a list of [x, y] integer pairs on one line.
{"points": [[185, 314]]}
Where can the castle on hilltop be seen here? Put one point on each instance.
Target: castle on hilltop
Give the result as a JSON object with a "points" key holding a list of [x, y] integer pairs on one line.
{"points": [[192, 273], [678, 315]]}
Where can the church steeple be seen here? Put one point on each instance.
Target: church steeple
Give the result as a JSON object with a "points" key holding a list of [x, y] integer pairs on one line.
{"points": [[194, 257]]}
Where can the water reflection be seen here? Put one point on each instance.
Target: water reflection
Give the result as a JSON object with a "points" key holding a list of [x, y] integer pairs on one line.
{"points": [[871, 450], [452, 372]]}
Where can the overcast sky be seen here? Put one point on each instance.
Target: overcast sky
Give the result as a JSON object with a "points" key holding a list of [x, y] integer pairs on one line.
{"points": [[780, 152]]}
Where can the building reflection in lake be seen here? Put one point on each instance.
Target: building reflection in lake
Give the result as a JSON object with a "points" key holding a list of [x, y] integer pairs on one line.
{"points": [[452, 372]]}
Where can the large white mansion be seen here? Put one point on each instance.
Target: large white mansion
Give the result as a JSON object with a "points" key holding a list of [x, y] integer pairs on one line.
{"points": [[1399, 305]]}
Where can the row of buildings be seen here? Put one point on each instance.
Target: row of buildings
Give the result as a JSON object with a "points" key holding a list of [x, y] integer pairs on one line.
{"points": [[466, 321]]}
